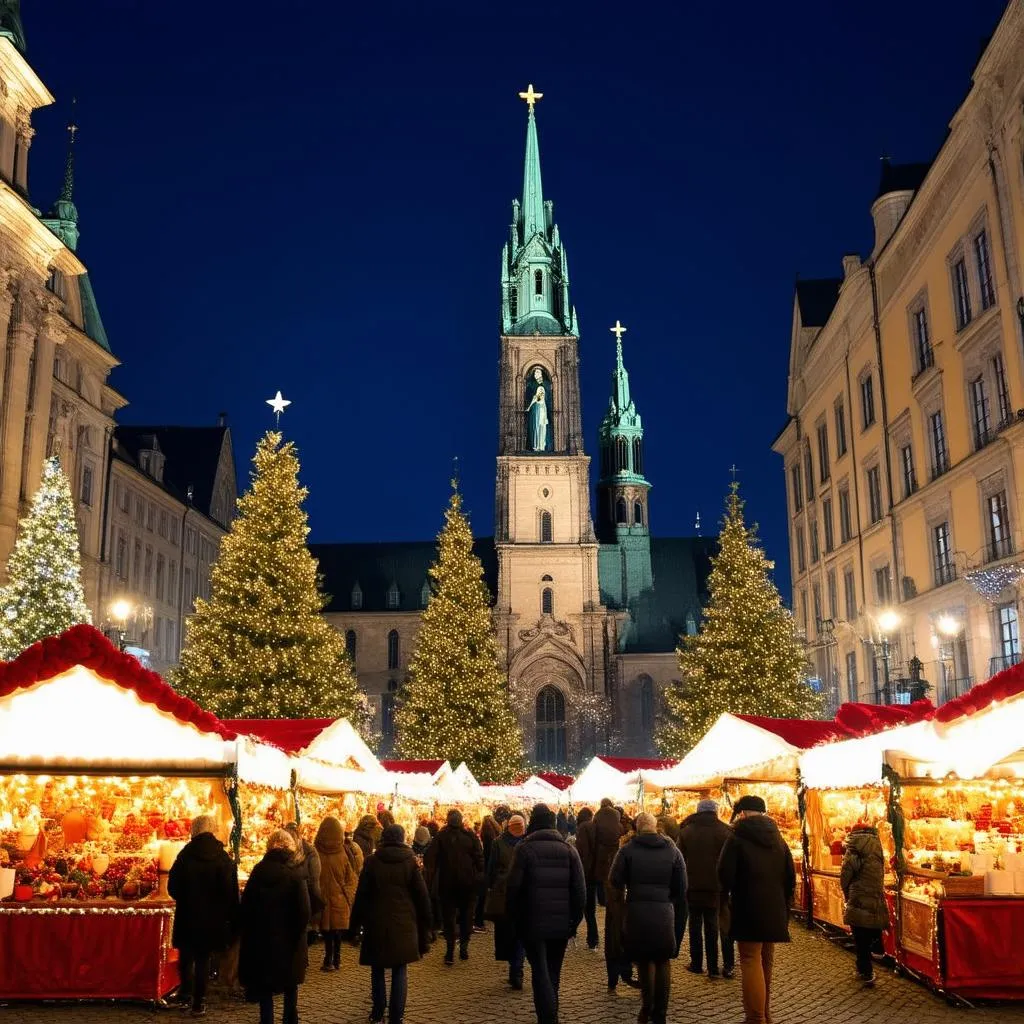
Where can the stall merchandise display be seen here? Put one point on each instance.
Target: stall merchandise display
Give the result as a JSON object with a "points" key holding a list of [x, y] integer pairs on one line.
{"points": [[263, 810]]}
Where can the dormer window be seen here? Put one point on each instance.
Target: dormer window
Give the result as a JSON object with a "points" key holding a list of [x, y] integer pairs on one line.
{"points": [[425, 594], [538, 282], [357, 597], [392, 596]]}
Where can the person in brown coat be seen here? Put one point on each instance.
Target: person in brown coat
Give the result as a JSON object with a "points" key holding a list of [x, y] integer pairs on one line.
{"points": [[608, 830], [340, 864], [393, 908], [586, 847], [367, 835]]}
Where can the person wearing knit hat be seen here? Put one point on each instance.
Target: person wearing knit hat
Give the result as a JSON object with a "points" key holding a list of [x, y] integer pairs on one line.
{"points": [[507, 944], [701, 838], [517, 825], [545, 897]]}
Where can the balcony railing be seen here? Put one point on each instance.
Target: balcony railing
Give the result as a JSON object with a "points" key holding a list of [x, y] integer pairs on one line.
{"points": [[1001, 547], [945, 572], [950, 689], [901, 691], [1001, 661]]}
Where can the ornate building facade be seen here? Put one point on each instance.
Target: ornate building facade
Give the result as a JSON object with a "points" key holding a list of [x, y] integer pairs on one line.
{"points": [[589, 619]]}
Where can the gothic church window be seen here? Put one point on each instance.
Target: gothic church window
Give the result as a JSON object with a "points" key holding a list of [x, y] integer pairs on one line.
{"points": [[545, 528], [393, 650], [538, 282], [638, 456], [638, 513], [350, 644], [357, 597], [550, 727], [547, 601], [621, 455], [621, 513]]}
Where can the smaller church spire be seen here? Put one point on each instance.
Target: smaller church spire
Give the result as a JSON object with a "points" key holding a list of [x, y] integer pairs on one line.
{"points": [[620, 377], [62, 218], [68, 191]]}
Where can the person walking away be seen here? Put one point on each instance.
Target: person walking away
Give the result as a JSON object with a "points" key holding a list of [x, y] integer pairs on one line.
{"points": [[701, 838], [274, 918], [617, 964], [455, 863], [757, 879], [490, 830], [203, 882], [393, 908], [307, 862], [668, 826], [421, 840], [863, 883], [650, 869], [546, 894], [586, 847], [367, 835], [607, 833], [340, 864], [507, 944]]}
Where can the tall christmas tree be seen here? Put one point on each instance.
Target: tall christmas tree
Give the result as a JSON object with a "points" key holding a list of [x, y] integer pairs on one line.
{"points": [[43, 595], [260, 648], [455, 704], [746, 658]]}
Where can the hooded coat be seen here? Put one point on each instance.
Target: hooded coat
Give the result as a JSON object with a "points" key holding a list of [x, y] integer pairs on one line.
{"points": [[701, 839], [367, 835], [455, 862], [392, 907], [546, 893], [274, 916], [863, 880], [607, 833], [650, 869], [307, 862], [757, 877], [340, 864], [203, 881], [586, 847], [503, 851]]}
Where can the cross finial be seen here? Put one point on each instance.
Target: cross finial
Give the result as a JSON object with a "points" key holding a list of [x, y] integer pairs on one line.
{"points": [[72, 126], [455, 473], [530, 96], [278, 404], [618, 330], [733, 470]]}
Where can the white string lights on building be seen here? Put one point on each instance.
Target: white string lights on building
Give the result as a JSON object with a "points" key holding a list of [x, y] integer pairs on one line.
{"points": [[992, 582]]}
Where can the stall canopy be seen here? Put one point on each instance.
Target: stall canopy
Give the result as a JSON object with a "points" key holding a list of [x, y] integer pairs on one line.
{"points": [[560, 782], [601, 779], [75, 700]]}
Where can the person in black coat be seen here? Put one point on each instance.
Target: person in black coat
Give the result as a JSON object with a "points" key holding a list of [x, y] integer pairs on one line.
{"points": [[455, 864], [586, 847], [203, 882], [275, 915], [757, 877], [650, 869], [701, 839], [507, 944], [546, 895], [393, 908]]}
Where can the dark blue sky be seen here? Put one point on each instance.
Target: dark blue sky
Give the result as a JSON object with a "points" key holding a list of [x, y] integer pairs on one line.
{"points": [[313, 197]]}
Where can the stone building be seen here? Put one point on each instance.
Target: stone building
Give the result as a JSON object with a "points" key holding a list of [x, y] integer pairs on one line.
{"points": [[589, 619], [903, 448]]}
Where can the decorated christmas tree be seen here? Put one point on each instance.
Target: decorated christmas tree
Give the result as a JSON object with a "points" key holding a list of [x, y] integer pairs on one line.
{"points": [[260, 648], [746, 657], [455, 704], [43, 595]]}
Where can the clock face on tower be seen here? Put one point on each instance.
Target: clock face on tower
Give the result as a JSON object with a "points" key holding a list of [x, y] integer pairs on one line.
{"points": [[538, 411]]}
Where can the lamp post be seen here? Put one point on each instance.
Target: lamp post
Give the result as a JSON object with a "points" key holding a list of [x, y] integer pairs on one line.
{"points": [[948, 628], [120, 612], [888, 622]]}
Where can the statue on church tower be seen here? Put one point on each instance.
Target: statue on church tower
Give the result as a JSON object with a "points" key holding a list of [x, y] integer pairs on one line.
{"points": [[538, 390]]}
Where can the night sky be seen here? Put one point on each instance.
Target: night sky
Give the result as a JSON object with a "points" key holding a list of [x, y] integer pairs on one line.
{"points": [[313, 196]]}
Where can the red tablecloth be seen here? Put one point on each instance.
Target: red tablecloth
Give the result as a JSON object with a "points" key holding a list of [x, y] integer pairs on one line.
{"points": [[85, 952], [983, 940]]}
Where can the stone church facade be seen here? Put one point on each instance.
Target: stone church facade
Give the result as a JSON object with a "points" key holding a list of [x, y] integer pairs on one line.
{"points": [[588, 617]]}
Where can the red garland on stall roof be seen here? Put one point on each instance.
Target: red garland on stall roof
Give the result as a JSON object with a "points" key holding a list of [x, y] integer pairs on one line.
{"points": [[87, 646], [1003, 685]]}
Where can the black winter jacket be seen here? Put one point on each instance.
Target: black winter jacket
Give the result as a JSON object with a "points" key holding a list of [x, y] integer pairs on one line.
{"points": [[275, 914], [701, 839], [203, 881], [863, 880], [756, 873], [651, 870], [454, 861], [607, 833], [546, 893]]}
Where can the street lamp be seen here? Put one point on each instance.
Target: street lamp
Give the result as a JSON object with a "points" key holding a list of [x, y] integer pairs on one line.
{"points": [[888, 622], [120, 612]]}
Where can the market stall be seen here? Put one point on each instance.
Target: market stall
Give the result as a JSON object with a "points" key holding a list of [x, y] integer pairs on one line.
{"points": [[103, 767]]}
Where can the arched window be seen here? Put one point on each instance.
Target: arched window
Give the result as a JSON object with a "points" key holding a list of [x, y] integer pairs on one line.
{"points": [[393, 650], [547, 579], [547, 601], [551, 727], [646, 705], [621, 512], [387, 712], [425, 594], [606, 460], [621, 455], [638, 456], [545, 527], [538, 282], [350, 644], [638, 513], [392, 595], [357, 597]]}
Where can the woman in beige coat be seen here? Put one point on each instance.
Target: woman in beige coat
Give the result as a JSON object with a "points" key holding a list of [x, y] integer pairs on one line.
{"points": [[340, 864]]}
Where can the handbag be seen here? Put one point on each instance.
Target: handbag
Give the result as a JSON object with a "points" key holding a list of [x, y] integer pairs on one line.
{"points": [[495, 901]]}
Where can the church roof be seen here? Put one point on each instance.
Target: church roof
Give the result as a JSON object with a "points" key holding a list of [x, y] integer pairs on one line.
{"points": [[816, 299], [376, 566]]}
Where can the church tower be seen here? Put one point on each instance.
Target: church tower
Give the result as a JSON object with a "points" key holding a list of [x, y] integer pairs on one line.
{"points": [[557, 634]]}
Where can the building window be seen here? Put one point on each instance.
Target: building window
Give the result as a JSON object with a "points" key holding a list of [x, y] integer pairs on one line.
{"points": [[945, 571], [867, 400], [551, 727], [840, 430], [833, 595], [150, 517], [1002, 390], [137, 564], [387, 712], [812, 532], [984, 264], [545, 528], [798, 490], [87, 485], [357, 597], [1000, 543], [874, 495], [621, 455], [638, 456], [826, 518], [1009, 635], [907, 467], [845, 523], [350, 644], [816, 602], [850, 594], [646, 705], [160, 567], [393, 650], [979, 412], [803, 610], [547, 601], [538, 282], [809, 473], [940, 455], [922, 341], [391, 599], [638, 513], [172, 583], [823, 463], [851, 676], [961, 294], [621, 512], [121, 561], [883, 586], [425, 594], [801, 554], [126, 500], [190, 595]]}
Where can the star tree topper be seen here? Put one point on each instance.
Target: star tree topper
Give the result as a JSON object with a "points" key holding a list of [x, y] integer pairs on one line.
{"points": [[278, 404]]}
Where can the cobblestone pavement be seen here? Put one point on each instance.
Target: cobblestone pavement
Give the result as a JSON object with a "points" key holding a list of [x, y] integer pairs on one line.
{"points": [[813, 983]]}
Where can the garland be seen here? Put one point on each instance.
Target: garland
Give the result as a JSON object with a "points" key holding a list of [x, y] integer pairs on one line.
{"points": [[231, 789]]}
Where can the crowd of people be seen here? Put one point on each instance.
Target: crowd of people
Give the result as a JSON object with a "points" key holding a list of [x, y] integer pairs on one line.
{"points": [[536, 879]]}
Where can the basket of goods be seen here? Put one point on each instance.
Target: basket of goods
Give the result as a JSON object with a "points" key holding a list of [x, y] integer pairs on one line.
{"points": [[964, 886]]}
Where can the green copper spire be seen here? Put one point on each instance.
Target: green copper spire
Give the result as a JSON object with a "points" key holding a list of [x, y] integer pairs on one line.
{"points": [[62, 219], [534, 268], [10, 23], [621, 433]]}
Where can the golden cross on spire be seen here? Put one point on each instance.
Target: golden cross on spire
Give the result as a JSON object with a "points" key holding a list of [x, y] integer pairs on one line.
{"points": [[530, 96], [618, 330]]}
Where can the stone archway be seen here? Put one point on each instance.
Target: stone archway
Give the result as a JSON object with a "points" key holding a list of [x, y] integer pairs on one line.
{"points": [[547, 686]]}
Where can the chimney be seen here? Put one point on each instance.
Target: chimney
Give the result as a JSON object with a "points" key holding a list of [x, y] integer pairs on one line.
{"points": [[222, 419], [851, 264]]}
